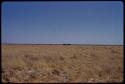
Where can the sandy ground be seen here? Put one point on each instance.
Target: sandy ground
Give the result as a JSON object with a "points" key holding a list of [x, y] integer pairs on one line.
{"points": [[61, 63]]}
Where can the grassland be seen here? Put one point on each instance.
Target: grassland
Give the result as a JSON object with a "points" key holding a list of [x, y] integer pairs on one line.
{"points": [[61, 63]]}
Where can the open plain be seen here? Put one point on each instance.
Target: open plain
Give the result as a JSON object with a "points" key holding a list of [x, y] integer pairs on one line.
{"points": [[62, 63]]}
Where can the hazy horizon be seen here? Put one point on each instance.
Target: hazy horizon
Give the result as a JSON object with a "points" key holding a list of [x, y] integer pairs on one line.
{"points": [[56, 44], [82, 22]]}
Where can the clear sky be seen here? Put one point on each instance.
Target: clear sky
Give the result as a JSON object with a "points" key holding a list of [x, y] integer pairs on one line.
{"points": [[62, 22]]}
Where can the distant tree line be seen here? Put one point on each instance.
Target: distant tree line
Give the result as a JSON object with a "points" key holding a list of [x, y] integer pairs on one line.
{"points": [[66, 44]]}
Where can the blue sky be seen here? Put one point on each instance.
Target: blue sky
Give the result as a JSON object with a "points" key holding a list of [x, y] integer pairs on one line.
{"points": [[62, 22]]}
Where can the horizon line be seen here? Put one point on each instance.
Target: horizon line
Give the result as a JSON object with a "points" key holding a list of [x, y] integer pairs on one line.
{"points": [[55, 44]]}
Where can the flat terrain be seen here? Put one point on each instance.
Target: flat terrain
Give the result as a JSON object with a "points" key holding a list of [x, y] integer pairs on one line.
{"points": [[61, 63]]}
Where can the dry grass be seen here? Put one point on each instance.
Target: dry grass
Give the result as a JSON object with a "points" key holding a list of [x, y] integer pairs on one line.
{"points": [[61, 63]]}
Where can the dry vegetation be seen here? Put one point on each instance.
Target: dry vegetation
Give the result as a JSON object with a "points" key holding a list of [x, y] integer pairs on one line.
{"points": [[61, 63]]}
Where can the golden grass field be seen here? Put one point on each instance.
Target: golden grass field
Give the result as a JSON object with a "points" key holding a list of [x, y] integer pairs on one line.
{"points": [[62, 64]]}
